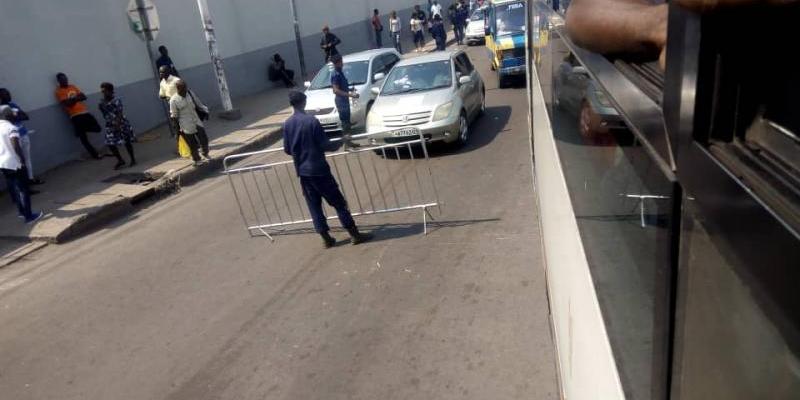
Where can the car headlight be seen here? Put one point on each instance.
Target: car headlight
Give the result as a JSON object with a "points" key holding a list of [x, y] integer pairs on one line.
{"points": [[443, 111], [373, 119]]}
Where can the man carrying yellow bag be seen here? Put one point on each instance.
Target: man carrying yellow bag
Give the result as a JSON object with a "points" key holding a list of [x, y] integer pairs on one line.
{"points": [[167, 89]]}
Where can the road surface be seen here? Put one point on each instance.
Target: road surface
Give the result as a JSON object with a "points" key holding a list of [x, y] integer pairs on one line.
{"points": [[177, 303]]}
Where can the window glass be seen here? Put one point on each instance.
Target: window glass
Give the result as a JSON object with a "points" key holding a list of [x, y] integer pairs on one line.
{"points": [[461, 68], [356, 73], [418, 78]]}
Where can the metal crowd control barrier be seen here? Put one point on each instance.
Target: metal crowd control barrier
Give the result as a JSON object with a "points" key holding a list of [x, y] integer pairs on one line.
{"points": [[375, 179]]}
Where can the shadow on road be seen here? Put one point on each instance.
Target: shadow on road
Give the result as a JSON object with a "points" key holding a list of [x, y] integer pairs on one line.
{"points": [[482, 132], [390, 231]]}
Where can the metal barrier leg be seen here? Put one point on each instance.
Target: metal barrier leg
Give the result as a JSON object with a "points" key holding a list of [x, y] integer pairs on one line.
{"points": [[425, 220], [271, 239]]}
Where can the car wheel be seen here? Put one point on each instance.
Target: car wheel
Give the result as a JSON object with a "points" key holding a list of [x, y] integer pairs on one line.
{"points": [[590, 123], [501, 82], [463, 130]]}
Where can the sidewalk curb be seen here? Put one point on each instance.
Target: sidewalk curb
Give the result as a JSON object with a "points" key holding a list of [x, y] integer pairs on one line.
{"points": [[22, 252], [165, 185]]}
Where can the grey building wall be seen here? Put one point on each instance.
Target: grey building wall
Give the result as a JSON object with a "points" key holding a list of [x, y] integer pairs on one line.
{"points": [[91, 41]]}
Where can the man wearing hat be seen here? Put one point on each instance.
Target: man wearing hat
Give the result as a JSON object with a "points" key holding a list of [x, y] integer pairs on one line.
{"points": [[305, 140]]}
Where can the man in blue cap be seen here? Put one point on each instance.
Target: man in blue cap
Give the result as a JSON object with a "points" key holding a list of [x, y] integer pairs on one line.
{"points": [[305, 140]]}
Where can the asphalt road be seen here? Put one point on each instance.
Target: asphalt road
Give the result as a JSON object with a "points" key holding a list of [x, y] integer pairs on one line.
{"points": [[177, 302]]}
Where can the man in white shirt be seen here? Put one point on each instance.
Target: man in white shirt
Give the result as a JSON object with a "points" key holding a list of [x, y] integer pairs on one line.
{"points": [[183, 108], [12, 165], [167, 89], [436, 9]]}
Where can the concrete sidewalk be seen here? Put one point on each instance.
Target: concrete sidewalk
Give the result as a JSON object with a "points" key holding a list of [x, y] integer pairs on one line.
{"points": [[82, 195]]}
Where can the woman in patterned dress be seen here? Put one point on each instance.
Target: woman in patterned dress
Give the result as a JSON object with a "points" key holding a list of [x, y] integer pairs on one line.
{"points": [[118, 128]]}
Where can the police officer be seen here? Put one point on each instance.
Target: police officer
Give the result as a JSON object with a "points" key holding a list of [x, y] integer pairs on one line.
{"points": [[341, 89], [305, 140]]}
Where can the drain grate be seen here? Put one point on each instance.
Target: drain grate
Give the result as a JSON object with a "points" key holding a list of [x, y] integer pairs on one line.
{"points": [[135, 178]]}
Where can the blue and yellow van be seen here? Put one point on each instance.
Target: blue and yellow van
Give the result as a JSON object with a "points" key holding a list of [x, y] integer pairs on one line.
{"points": [[506, 37]]}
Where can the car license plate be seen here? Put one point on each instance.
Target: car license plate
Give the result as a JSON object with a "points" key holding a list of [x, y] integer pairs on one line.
{"points": [[406, 132], [327, 121]]}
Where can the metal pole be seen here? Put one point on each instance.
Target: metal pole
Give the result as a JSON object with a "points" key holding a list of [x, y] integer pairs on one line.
{"points": [[216, 62], [298, 39]]}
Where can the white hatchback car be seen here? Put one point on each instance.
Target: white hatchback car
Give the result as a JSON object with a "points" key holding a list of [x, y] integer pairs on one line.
{"points": [[363, 70], [476, 27]]}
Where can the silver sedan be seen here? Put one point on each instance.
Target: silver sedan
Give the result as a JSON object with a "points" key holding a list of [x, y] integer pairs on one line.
{"points": [[437, 95]]}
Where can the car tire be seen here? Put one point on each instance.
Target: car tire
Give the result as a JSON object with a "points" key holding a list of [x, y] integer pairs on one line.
{"points": [[501, 81], [463, 130], [590, 123]]}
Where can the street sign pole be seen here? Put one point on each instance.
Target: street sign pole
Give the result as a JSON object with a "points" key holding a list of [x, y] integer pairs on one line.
{"points": [[216, 62], [298, 39]]}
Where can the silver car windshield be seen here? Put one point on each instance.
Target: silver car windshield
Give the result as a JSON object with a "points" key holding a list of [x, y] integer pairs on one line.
{"points": [[418, 78], [356, 73]]}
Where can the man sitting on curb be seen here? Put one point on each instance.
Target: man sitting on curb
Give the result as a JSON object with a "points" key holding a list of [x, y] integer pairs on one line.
{"points": [[305, 140]]}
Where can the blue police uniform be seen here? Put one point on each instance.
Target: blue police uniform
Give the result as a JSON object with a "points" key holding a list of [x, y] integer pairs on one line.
{"points": [[342, 102], [305, 140]]}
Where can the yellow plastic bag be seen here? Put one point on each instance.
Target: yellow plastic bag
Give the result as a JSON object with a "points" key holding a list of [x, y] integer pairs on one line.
{"points": [[183, 148]]}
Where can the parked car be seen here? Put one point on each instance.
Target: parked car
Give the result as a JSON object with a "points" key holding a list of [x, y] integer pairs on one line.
{"points": [[576, 92], [476, 27], [437, 95], [363, 70]]}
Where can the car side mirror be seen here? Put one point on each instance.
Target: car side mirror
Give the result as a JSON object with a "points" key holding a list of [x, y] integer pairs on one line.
{"points": [[464, 80], [376, 90], [378, 76], [307, 84]]}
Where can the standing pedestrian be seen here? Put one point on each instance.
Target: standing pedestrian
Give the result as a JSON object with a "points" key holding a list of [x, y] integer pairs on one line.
{"points": [[395, 26], [377, 26], [166, 87], [18, 119], [277, 71], [72, 100], [341, 89], [187, 113], [118, 128], [166, 61], [12, 166], [462, 15], [439, 34], [305, 141], [436, 9], [416, 30], [329, 43], [423, 21], [451, 15]]}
